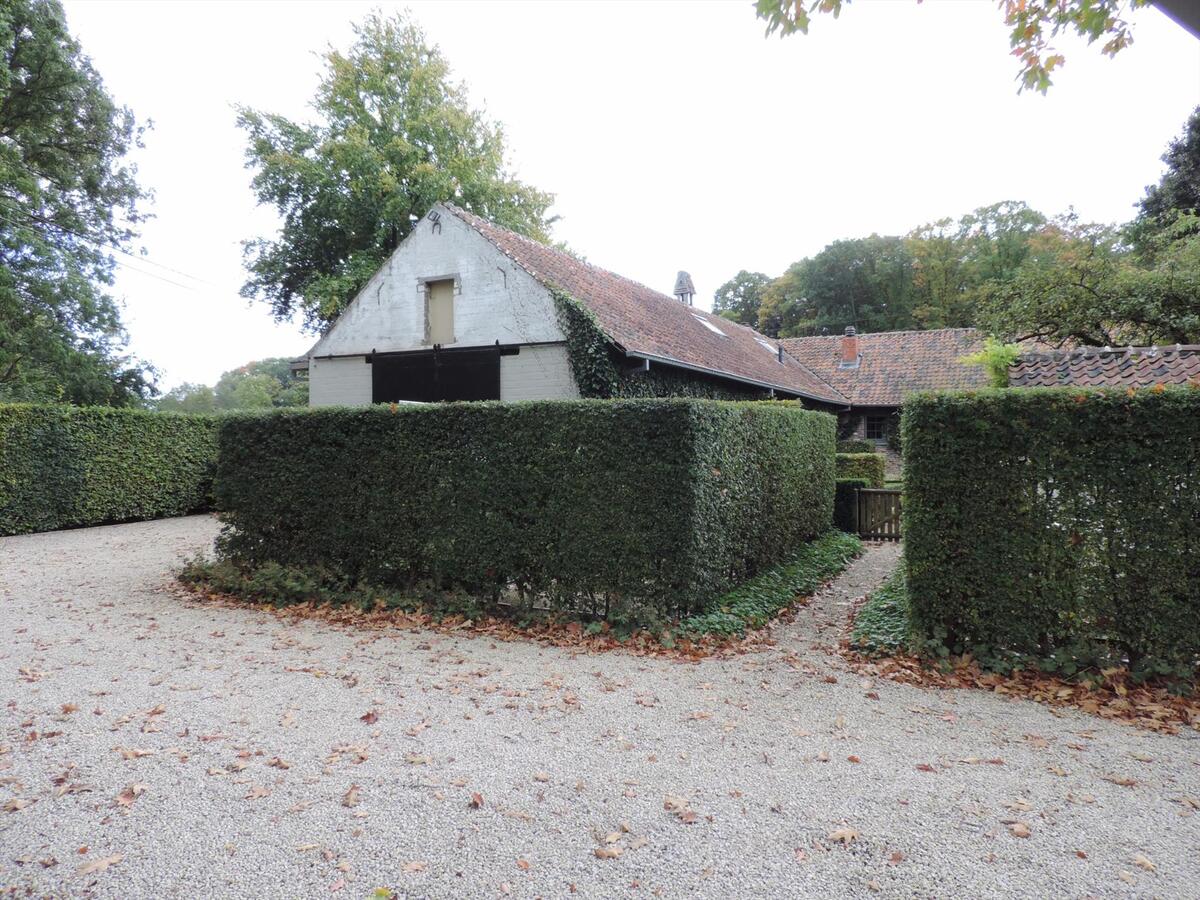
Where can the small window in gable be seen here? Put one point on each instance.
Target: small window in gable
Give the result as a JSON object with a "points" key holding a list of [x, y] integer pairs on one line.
{"points": [[439, 311], [709, 325]]}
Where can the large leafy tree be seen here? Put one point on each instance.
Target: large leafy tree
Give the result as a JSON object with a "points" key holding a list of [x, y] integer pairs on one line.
{"points": [[866, 282], [953, 258], [393, 135], [1176, 194], [68, 200], [1081, 285], [1033, 25], [740, 297]]}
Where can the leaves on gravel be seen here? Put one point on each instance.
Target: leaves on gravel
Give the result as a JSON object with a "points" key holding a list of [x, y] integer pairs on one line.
{"points": [[129, 794], [100, 865], [680, 809], [1111, 693]]}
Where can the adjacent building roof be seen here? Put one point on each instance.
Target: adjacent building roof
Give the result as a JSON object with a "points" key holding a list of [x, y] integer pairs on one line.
{"points": [[893, 364], [647, 324], [1108, 367]]}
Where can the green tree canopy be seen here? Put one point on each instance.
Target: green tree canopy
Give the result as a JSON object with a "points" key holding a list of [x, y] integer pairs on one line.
{"points": [[68, 199], [953, 258], [393, 135], [263, 384], [866, 282], [1080, 284], [1033, 23], [1177, 192], [739, 298]]}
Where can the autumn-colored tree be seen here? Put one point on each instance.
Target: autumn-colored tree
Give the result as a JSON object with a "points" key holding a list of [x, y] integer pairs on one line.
{"points": [[1033, 25]]}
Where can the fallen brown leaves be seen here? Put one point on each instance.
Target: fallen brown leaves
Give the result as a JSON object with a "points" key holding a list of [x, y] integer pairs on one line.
{"points": [[129, 794], [556, 633], [100, 865], [1114, 696], [680, 809]]}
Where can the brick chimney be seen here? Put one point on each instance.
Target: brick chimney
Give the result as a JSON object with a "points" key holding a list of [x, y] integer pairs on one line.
{"points": [[850, 356]]}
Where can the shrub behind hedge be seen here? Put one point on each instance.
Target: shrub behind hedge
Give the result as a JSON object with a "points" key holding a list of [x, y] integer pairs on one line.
{"points": [[867, 466], [1059, 524], [662, 504], [63, 466], [845, 503]]}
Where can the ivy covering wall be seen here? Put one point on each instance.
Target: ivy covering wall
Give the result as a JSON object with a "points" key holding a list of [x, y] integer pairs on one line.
{"points": [[643, 507], [599, 374], [63, 466], [1058, 525]]}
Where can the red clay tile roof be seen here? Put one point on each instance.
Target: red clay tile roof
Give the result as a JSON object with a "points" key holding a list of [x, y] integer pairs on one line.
{"points": [[894, 364], [648, 323], [1108, 367]]}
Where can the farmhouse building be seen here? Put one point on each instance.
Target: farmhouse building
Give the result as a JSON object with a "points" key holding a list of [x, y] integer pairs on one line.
{"points": [[466, 310]]}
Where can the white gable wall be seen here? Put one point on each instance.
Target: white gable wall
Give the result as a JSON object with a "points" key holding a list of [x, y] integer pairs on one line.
{"points": [[494, 300]]}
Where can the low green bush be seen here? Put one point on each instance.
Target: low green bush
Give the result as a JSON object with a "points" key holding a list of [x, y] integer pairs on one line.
{"points": [[854, 445], [639, 509], [1056, 527], [63, 466], [845, 503], [867, 466], [755, 603], [883, 625]]}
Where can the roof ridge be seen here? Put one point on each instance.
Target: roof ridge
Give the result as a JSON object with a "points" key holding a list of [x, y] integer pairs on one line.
{"points": [[869, 334], [1098, 351]]}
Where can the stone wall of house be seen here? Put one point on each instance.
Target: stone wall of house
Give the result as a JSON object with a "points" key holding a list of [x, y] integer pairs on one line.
{"points": [[853, 426]]}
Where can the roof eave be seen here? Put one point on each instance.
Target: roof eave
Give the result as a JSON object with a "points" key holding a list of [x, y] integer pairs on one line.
{"points": [[741, 379]]}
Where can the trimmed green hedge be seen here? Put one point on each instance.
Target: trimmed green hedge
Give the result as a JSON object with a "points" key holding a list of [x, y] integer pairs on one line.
{"points": [[867, 466], [63, 466], [1057, 524], [855, 445], [634, 508]]}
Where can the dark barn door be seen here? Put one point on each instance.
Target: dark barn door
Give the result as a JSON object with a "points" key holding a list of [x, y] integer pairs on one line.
{"points": [[433, 375]]}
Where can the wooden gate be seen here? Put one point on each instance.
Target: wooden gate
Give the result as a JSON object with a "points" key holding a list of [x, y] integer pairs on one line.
{"points": [[879, 514]]}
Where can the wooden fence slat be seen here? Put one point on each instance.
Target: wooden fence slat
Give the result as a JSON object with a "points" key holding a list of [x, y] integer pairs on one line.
{"points": [[879, 513]]}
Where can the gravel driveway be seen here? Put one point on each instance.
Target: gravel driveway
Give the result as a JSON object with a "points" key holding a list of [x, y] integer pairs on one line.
{"points": [[174, 749]]}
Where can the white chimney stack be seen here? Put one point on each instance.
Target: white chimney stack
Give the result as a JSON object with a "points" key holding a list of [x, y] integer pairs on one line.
{"points": [[684, 289]]}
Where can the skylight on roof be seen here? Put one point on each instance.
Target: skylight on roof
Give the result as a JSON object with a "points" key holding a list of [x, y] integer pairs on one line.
{"points": [[766, 345], [709, 325]]}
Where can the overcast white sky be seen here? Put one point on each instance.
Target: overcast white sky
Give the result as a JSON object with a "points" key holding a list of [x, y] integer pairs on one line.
{"points": [[674, 134]]}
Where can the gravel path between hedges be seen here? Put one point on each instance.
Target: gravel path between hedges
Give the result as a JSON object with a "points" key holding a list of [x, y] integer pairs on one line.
{"points": [[768, 754]]}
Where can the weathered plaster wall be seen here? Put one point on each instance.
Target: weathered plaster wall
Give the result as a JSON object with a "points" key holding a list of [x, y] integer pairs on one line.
{"points": [[339, 382], [495, 300], [537, 373]]}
